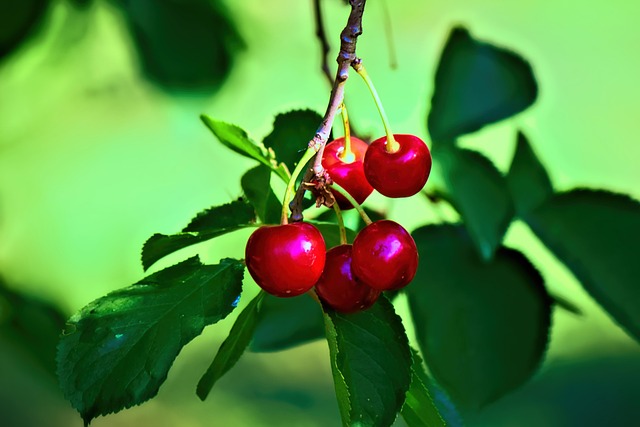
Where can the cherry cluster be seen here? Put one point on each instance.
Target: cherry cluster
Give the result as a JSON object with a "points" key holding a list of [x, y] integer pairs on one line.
{"points": [[290, 259]]}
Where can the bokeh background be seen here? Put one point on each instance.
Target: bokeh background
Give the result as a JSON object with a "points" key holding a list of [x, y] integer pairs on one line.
{"points": [[100, 148]]}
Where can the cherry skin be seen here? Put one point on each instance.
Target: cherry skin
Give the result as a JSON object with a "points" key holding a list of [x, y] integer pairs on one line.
{"points": [[401, 173], [286, 260], [385, 256], [347, 172], [338, 288]]}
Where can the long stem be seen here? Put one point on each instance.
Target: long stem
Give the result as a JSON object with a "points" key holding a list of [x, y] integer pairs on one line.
{"points": [[347, 155], [351, 200], [292, 182], [343, 231], [391, 145]]}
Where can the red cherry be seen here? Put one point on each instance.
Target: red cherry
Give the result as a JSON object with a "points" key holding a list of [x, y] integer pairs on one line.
{"points": [[385, 256], [401, 173], [347, 172], [338, 288], [286, 260]]}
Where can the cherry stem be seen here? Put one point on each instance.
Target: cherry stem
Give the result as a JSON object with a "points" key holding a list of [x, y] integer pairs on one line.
{"points": [[347, 155], [391, 145], [292, 182], [343, 231], [351, 200]]}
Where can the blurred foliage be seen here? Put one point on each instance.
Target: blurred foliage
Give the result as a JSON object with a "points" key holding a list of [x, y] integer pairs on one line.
{"points": [[18, 21]]}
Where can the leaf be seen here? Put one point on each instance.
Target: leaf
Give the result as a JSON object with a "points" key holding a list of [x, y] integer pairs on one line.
{"points": [[233, 347], [480, 194], [528, 181], [331, 233], [476, 84], [208, 224], [256, 184], [371, 364], [482, 326], [237, 140], [291, 134], [276, 330], [419, 409], [18, 21], [183, 45], [595, 233], [118, 349], [32, 324]]}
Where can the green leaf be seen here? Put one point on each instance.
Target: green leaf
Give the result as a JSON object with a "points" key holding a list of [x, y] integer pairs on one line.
{"points": [[331, 233], [596, 234], [528, 181], [476, 84], [479, 193], [482, 326], [233, 347], [117, 350], [291, 134], [419, 409], [371, 364], [183, 45], [276, 330], [18, 21], [208, 224], [237, 140], [256, 184]]}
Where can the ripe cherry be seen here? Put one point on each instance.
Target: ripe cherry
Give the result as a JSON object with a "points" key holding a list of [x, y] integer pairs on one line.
{"points": [[385, 256], [338, 288], [401, 172], [286, 260], [347, 170]]}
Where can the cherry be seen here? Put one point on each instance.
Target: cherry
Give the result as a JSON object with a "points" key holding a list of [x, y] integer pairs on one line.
{"points": [[347, 170], [286, 260], [401, 172], [385, 256], [338, 288]]}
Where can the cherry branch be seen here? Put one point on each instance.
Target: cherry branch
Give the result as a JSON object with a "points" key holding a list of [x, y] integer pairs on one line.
{"points": [[346, 57]]}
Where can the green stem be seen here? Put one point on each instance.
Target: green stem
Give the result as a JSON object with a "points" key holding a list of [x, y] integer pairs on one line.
{"points": [[292, 182], [351, 200], [347, 155], [392, 145], [343, 231]]}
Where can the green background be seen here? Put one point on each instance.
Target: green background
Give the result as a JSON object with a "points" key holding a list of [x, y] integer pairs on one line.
{"points": [[94, 159]]}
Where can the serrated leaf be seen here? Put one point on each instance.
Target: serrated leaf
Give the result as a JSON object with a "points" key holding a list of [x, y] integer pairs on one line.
{"points": [[419, 409], [476, 84], [482, 326], [371, 364], [596, 234], [256, 184], [237, 140], [291, 134], [233, 347], [118, 349], [528, 181], [183, 45], [210, 223], [276, 330], [480, 194]]}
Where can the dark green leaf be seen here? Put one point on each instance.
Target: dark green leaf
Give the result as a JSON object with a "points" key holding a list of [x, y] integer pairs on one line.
{"points": [[237, 140], [371, 364], [597, 235], [183, 45], [479, 192], [18, 21], [256, 184], [32, 324], [477, 84], [117, 350], [419, 409], [233, 347], [351, 217], [482, 326], [528, 181], [331, 233], [291, 134], [208, 224], [276, 330]]}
